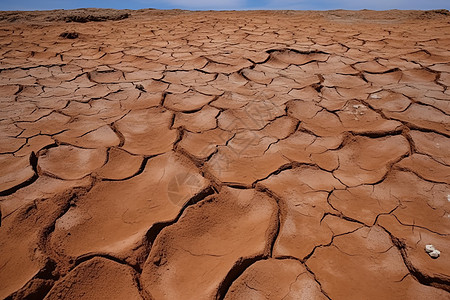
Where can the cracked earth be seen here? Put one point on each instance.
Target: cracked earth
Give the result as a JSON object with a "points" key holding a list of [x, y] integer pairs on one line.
{"points": [[224, 155]]}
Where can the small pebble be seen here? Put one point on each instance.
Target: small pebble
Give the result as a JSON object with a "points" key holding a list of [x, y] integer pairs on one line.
{"points": [[435, 253], [429, 248], [432, 251]]}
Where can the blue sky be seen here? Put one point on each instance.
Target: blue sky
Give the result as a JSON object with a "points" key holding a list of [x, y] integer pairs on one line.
{"points": [[225, 4]]}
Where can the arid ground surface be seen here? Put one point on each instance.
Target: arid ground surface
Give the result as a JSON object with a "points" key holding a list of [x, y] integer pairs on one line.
{"points": [[224, 155]]}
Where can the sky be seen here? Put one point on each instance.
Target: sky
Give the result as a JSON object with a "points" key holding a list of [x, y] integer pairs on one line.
{"points": [[226, 4]]}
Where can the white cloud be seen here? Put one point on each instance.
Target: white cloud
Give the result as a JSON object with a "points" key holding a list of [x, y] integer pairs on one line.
{"points": [[207, 4], [357, 4], [295, 4]]}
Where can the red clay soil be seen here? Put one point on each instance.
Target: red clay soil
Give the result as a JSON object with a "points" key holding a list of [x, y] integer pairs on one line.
{"points": [[224, 155]]}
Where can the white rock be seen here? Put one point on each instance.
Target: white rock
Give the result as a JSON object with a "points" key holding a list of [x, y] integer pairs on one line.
{"points": [[432, 251], [435, 253], [429, 248]]}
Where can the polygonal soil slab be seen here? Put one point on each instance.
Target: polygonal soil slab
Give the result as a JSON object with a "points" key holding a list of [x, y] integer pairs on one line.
{"points": [[189, 101], [98, 278], [365, 160], [115, 215], [210, 239], [275, 279], [15, 171], [229, 167], [120, 165], [411, 199], [101, 137], [21, 235], [304, 225], [366, 265], [70, 163], [413, 244], [147, 132]]}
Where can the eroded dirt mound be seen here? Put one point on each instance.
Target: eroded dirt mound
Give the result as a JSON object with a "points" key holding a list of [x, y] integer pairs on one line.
{"points": [[224, 155], [81, 15]]}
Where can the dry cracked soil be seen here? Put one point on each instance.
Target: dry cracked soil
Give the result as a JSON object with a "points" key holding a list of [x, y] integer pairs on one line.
{"points": [[224, 155]]}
